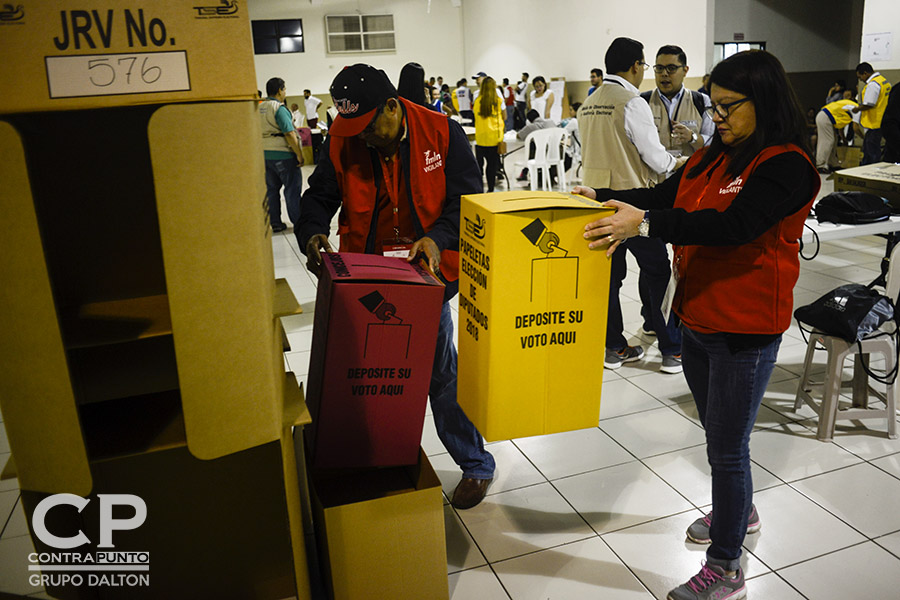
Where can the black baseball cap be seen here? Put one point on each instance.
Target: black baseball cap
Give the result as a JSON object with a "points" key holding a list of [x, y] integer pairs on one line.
{"points": [[479, 74], [357, 92]]}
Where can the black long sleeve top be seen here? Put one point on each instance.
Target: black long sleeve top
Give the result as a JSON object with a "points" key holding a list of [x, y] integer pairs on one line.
{"points": [[780, 186]]}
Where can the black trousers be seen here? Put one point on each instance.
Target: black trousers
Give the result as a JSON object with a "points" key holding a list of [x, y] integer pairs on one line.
{"points": [[489, 154]]}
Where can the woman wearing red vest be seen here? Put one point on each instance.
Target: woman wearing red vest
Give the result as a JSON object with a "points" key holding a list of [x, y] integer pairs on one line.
{"points": [[734, 213]]}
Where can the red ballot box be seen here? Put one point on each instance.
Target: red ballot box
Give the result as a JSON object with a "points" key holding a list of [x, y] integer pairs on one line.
{"points": [[373, 349]]}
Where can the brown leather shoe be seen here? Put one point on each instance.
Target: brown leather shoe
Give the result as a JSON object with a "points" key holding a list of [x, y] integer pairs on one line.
{"points": [[470, 492]]}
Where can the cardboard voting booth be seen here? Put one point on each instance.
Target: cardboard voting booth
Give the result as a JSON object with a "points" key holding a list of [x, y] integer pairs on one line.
{"points": [[373, 347], [532, 313], [881, 179]]}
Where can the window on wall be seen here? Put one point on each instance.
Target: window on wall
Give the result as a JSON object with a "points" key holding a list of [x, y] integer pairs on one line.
{"points": [[723, 50], [278, 37], [360, 33]]}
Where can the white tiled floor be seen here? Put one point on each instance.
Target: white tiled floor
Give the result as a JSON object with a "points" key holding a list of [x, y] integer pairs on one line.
{"points": [[601, 513]]}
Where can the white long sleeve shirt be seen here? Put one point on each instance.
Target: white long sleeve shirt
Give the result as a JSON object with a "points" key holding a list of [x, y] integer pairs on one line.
{"points": [[641, 130], [707, 127]]}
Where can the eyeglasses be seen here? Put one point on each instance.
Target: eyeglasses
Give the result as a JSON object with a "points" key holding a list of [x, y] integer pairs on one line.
{"points": [[670, 69], [643, 64], [723, 110]]}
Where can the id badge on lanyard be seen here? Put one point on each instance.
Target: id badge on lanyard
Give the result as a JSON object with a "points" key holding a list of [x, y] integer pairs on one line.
{"points": [[397, 247]]}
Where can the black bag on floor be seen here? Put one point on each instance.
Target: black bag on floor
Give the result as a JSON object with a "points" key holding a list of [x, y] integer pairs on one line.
{"points": [[854, 208]]}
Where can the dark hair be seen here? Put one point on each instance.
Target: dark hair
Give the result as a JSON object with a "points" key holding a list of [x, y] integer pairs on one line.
{"points": [[542, 80], [780, 119], [841, 84], [506, 81], [411, 83], [864, 67], [445, 87], [525, 74], [597, 72], [532, 115], [273, 86], [576, 105], [308, 91], [676, 50], [622, 53]]}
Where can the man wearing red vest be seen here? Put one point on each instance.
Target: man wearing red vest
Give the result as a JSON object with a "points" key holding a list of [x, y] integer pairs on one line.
{"points": [[396, 171]]}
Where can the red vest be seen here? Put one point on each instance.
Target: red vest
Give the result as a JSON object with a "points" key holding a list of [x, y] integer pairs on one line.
{"points": [[737, 289], [428, 133]]}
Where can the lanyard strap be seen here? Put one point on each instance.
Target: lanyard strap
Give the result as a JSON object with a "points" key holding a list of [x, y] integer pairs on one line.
{"points": [[393, 189]]}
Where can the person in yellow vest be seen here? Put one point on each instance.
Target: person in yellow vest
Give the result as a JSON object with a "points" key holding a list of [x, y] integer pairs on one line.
{"points": [[680, 114], [873, 101], [834, 116]]}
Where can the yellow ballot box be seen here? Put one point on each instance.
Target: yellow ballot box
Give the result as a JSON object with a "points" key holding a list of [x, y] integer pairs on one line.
{"points": [[532, 313]]}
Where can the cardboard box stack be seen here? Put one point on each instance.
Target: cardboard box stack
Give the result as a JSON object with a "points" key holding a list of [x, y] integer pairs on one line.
{"points": [[141, 351], [881, 179], [532, 310], [377, 502]]}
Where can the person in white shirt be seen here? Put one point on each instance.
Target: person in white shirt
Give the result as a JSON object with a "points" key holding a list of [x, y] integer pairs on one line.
{"points": [[312, 109], [541, 98], [621, 151], [464, 101], [521, 101], [570, 124], [296, 116]]}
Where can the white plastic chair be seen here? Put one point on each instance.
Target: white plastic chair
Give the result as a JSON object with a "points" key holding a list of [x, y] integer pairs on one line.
{"points": [[547, 153], [838, 350]]}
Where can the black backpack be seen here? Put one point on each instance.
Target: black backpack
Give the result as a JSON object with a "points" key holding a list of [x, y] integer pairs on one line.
{"points": [[852, 207], [698, 98]]}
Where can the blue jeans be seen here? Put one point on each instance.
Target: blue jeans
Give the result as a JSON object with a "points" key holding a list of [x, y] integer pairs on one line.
{"points": [[284, 172], [652, 282], [457, 433], [728, 389], [871, 148]]}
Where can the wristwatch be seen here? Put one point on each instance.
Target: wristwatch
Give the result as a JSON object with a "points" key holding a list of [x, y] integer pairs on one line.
{"points": [[644, 225]]}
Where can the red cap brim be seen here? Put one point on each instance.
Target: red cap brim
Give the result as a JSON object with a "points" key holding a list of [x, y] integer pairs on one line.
{"points": [[344, 127]]}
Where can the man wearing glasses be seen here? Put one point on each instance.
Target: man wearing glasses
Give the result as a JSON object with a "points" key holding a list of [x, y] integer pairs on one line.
{"points": [[680, 114], [396, 170], [621, 151]]}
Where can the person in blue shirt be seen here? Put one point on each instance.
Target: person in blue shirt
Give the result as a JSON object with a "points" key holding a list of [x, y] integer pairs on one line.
{"points": [[596, 80]]}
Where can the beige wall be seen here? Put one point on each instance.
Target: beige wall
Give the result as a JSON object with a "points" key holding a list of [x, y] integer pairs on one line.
{"points": [[432, 39], [883, 16], [567, 38]]}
